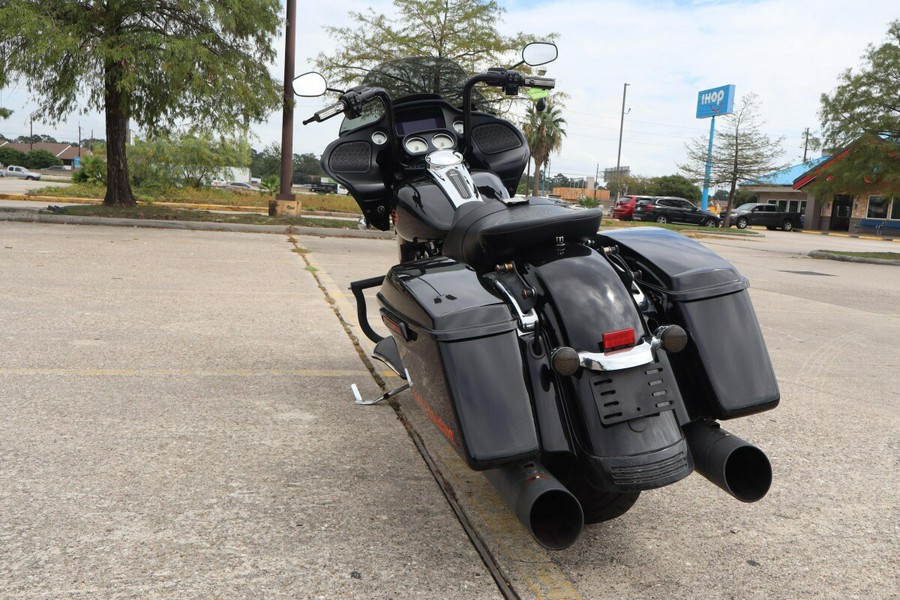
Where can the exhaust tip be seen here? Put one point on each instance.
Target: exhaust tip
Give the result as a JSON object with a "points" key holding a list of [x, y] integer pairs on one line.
{"points": [[556, 519], [748, 473]]}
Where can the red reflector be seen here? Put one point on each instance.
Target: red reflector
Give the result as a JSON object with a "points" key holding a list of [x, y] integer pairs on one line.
{"points": [[617, 339]]}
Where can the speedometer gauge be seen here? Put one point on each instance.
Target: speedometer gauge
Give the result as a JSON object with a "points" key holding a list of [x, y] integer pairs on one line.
{"points": [[442, 141], [416, 145]]}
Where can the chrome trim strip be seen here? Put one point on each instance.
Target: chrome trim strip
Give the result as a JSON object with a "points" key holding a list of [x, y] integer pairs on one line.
{"points": [[619, 359], [527, 321], [440, 164]]}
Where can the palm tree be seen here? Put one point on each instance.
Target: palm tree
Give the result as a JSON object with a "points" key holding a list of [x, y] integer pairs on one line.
{"points": [[544, 133]]}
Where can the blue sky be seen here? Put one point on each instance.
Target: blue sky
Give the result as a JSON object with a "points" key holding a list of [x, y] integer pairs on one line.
{"points": [[788, 52]]}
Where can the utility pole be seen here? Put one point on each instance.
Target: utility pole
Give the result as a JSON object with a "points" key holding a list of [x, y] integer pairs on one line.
{"points": [[596, 175], [621, 127], [31, 132], [79, 141], [285, 201], [805, 143]]}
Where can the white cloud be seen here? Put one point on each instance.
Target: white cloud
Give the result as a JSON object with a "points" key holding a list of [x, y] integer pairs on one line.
{"points": [[787, 51]]}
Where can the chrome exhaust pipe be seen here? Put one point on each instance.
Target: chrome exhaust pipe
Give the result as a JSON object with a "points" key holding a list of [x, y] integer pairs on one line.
{"points": [[549, 511], [739, 468]]}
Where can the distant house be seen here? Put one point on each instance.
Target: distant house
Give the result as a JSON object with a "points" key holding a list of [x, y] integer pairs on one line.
{"points": [[64, 152], [854, 209], [778, 188]]}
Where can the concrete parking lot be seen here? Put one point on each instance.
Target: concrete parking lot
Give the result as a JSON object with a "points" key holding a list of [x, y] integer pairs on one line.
{"points": [[178, 423]]}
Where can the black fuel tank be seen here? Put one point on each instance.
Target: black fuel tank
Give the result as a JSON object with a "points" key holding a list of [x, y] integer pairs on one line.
{"points": [[425, 213]]}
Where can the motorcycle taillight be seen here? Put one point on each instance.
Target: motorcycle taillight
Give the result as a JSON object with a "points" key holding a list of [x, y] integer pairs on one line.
{"points": [[618, 339]]}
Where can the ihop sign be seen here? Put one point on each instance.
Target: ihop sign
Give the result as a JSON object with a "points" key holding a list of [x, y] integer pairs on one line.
{"points": [[715, 102]]}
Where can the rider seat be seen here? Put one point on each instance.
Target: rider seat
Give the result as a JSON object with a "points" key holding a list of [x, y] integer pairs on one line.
{"points": [[489, 233]]}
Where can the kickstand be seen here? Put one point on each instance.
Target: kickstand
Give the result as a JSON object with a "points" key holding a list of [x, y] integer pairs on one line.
{"points": [[359, 399]]}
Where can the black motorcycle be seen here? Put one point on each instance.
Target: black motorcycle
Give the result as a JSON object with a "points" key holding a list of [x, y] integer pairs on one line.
{"points": [[574, 368]]}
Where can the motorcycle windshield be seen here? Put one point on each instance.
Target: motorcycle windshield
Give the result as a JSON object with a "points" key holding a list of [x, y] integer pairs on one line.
{"points": [[411, 77]]}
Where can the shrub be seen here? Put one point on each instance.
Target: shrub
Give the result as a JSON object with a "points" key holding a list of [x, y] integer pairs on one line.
{"points": [[93, 170], [40, 159]]}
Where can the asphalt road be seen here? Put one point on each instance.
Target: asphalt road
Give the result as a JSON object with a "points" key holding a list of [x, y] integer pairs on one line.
{"points": [[177, 423]]}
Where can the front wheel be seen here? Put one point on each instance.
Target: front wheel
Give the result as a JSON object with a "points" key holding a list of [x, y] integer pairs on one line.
{"points": [[741, 223], [787, 225], [709, 223], [662, 219]]}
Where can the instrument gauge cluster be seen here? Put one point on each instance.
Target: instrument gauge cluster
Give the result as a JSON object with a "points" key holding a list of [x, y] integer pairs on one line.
{"points": [[416, 145], [423, 143], [442, 141]]}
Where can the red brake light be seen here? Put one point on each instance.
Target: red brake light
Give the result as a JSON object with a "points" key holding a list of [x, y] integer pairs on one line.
{"points": [[618, 339]]}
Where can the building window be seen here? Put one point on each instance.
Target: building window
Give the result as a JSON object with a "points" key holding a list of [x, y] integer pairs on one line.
{"points": [[790, 205], [880, 207]]}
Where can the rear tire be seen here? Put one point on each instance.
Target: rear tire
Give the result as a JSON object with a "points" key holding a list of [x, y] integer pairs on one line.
{"points": [[597, 505], [787, 225], [603, 506], [662, 219]]}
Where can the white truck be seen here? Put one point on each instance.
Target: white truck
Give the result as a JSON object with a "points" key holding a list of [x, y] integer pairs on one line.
{"points": [[20, 172]]}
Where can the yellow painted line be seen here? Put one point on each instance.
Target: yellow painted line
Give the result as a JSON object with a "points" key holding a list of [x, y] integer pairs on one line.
{"points": [[189, 372]]}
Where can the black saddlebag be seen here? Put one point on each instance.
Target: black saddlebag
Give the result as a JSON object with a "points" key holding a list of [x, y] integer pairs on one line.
{"points": [[459, 344], [725, 371]]}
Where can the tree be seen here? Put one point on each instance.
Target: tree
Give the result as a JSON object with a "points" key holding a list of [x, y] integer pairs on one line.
{"points": [[35, 139], [307, 168], [40, 159], [620, 185], [150, 62], [9, 156], [189, 159], [863, 111], [741, 151], [544, 131], [464, 31], [675, 185]]}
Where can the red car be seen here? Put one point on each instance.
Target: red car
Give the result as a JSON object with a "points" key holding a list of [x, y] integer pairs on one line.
{"points": [[624, 207]]}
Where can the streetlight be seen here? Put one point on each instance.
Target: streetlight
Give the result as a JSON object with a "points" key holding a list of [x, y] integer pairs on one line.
{"points": [[621, 126]]}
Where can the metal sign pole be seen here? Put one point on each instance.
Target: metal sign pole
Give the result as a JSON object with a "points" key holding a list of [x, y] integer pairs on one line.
{"points": [[712, 134]]}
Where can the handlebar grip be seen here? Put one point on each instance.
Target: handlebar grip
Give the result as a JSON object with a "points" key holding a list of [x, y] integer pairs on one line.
{"points": [[540, 82], [326, 113]]}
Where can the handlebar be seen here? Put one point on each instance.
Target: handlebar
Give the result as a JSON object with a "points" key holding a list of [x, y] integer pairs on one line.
{"points": [[326, 113]]}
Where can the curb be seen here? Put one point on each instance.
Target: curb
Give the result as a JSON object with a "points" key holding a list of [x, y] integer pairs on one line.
{"points": [[34, 217], [855, 259]]}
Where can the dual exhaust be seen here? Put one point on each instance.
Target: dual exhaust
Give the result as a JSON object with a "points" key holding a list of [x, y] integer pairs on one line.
{"points": [[553, 515]]}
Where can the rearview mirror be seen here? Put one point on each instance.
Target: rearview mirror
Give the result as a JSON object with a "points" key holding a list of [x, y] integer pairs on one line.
{"points": [[539, 53], [310, 85]]}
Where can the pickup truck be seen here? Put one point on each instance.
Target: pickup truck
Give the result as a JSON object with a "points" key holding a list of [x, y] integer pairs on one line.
{"points": [[21, 172], [767, 215]]}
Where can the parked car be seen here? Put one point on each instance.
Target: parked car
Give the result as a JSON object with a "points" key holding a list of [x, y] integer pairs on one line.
{"points": [[765, 214], [59, 168], [624, 206], [240, 185], [20, 172], [665, 209]]}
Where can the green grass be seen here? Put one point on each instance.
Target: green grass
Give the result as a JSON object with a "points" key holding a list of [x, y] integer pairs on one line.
{"points": [[165, 213], [610, 223], [878, 255], [205, 195]]}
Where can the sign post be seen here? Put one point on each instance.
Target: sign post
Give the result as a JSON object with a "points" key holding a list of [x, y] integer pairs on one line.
{"points": [[710, 103]]}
